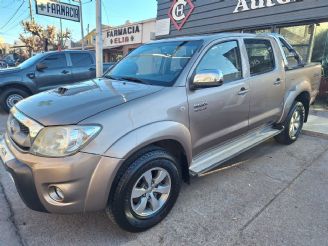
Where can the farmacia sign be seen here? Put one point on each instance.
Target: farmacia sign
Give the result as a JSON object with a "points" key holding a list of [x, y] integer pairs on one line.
{"points": [[123, 35], [242, 5]]}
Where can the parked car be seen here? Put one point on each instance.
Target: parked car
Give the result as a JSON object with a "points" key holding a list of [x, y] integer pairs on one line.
{"points": [[170, 109], [43, 72], [3, 64], [11, 59]]}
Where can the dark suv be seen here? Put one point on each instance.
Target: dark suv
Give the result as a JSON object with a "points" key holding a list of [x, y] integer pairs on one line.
{"points": [[45, 71]]}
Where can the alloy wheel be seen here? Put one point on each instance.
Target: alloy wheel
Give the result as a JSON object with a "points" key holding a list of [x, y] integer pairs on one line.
{"points": [[13, 99], [295, 124], [150, 192]]}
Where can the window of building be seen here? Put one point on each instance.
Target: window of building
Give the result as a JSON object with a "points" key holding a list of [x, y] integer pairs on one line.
{"points": [[320, 50], [81, 59], [299, 37], [225, 57], [55, 61], [260, 55]]}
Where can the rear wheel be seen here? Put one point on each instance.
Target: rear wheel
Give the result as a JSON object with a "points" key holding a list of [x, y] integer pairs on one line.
{"points": [[146, 192], [10, 97], [293, 125]]}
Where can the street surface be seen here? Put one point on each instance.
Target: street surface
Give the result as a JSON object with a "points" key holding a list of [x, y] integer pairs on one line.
{"points": [[271, 195]]}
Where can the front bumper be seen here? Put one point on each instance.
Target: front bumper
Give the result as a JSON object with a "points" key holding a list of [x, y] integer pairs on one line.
{"points": [[85, 179]]}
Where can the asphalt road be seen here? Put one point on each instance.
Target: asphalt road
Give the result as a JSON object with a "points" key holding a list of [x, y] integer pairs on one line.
{"points": [[271, 195]]}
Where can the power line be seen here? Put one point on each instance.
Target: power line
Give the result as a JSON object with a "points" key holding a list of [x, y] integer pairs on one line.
{"points": [[13, 15], [17, 22]]}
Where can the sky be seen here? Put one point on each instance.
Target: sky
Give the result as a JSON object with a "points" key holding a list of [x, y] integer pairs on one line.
{"points": [[114, 12]]}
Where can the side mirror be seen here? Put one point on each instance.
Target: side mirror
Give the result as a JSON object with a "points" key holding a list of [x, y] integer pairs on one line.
{"points": [[41, 66], [207, 78]]}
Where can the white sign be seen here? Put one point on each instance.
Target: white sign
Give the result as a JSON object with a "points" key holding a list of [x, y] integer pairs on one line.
{"points": [[58, 10], [130, 34], [242, 5], [163, 27]]}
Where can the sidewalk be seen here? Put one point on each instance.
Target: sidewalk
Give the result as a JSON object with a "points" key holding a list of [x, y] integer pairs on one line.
{"points": [[317, 125]]}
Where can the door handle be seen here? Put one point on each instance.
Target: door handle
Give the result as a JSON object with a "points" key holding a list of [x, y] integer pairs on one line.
{"points": [[65, 72], [92, 69], [31, 75], [242, 91], [277, 82]]}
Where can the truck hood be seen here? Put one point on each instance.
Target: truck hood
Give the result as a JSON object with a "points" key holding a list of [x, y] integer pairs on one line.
{"points": [[9, 70], [72, 104]]}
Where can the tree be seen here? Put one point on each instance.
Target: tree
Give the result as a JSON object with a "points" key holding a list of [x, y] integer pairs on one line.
{"points": [[37, 38]]}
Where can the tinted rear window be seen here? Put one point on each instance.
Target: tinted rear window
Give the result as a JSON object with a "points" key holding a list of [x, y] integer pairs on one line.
{"points": [[81, 59]]}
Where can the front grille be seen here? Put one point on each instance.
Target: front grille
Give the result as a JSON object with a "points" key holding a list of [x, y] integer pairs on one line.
{"points": [[22, 130], [19, 133]]}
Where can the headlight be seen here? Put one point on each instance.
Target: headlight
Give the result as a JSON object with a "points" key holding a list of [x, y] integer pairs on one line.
{"points": [[63, 141]]}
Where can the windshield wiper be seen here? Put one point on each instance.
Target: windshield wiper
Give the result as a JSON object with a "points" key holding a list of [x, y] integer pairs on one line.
{"points": [[133, 79], [109, 77]]}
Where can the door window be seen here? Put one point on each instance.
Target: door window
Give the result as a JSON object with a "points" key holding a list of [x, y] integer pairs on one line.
{"points": [[81, 59], [260, 56], [225, 57], [55, 61]]}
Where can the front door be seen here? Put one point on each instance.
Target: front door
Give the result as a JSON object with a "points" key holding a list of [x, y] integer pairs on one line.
{"points": [[219, 113], [267, 82], [55, 73]]}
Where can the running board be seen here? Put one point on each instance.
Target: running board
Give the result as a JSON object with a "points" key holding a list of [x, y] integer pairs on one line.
{"points": [[223, 153]]}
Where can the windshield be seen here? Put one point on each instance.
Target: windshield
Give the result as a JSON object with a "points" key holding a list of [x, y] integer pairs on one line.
{"points": [[31, 61], [155, 64]]}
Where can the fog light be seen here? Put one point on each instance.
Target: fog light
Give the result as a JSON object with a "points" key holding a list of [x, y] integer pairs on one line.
{"points": [[56, 194]]}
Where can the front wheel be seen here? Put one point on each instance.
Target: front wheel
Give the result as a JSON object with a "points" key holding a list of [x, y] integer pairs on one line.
{"points": [[10, 97], [293, 125], [146, 191]]}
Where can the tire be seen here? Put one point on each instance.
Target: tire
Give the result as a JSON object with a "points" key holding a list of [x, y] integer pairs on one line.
{"points": [[289, 136], [128, 212], [11, 96]]}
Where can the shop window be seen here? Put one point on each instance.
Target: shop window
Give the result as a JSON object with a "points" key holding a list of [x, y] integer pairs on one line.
{"points": [[320, 50], [299, 37], [224, 57], [260, 55], [259, 31]]}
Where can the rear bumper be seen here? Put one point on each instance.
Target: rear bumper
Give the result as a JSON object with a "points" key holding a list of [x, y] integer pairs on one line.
{"points": [[84, 179]]}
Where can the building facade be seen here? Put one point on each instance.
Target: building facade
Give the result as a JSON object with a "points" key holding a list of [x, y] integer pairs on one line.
{"points": [[120, 40], [304, 23]]}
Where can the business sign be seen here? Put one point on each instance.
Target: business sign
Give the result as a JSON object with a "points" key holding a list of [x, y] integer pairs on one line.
{"points": [[58, 10], [180, 11], [242, 5], [130, 34]]}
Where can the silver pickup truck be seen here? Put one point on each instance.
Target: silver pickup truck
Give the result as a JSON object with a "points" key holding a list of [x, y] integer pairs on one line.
{"points": [[170, 109]]}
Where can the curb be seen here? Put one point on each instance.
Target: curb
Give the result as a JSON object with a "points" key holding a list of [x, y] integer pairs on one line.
{"points": [[315, 134]]}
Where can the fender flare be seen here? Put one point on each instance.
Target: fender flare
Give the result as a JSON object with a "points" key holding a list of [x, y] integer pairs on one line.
{"points": [[151, 133], [291, 96]]}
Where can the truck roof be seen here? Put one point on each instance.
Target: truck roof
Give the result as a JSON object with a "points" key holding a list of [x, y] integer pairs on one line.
{"points": [[211, 37], [66, 51]]}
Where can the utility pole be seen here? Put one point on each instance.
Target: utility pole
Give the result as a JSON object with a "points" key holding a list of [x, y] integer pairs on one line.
{"points": [[99, 45], [61, 34], [30, 6], [81, 21]]}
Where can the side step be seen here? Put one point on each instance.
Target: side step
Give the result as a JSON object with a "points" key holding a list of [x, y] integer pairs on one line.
{"points": [[223, 153]]}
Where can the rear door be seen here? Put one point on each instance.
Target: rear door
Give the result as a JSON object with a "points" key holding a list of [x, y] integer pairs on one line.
{"points": [[56, 73], [267, 81], [83, 67], [219, 114]]}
